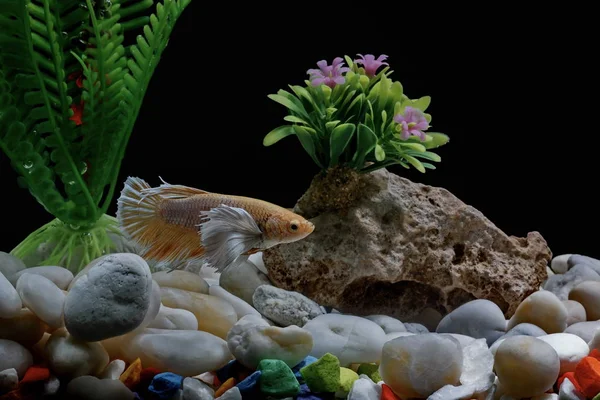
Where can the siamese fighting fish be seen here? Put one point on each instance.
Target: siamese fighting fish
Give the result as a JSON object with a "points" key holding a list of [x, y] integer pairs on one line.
{"points": [[175, 224]]}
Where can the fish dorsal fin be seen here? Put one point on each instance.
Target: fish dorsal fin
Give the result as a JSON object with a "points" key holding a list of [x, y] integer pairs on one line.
{"points": [[226, 233], [168, 191]]}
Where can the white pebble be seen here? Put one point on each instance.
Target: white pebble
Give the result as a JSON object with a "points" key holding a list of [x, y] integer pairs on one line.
{"points": [[569, 392], [43, 298], [387, 323], [60, 276], [51, 386], [352, 339], [364, 389], [14, 355], [576, 312], [240, 306], [232, 394], [195, 389], [542, 309], [174, 318], [559, 263], [252, 339], [546, 396], [113, 370], [10, 265], [70, 358], [394, 335], [241, 279], [478, 365], [9, 380], [257, 260], [570, 349], [10, 302]]}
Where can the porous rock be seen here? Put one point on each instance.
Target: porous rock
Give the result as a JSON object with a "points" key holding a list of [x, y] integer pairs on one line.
{"points": [[398, 247]]}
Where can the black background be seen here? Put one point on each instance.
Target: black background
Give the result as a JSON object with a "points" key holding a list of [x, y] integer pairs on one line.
{"points": [[515, 91]]}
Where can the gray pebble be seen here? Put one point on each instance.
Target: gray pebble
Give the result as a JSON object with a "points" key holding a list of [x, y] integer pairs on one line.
{"points": [[415, 328], [576, 259], [569, 392], [284, 307], [9, 380], [10, 265], [91, 388], [524, 329], [478, 319], [584, 330], [562, 284], [194, 389]]}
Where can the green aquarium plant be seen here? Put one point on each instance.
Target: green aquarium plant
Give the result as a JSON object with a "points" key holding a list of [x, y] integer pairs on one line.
{"points": [[356, 117], [73, 75]]}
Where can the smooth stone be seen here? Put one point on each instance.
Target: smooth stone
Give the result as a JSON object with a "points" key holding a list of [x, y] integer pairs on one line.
{"points": [[180, 279], [526, 366], [214, 314], [69, 357], [241, 279], [561, 285], [186, 353], [153, 308], [559, 264], [86, 269], [60, 276], [463, 340], [195, 389], [394, 335], [585, 330], [588, 295], [451, 392], [92, 388], [43, 298], [285, 307], [10, 302], [354, 340], [25, 328], [10, 265], [9, 380], [240, 306], [568, 391], [257, 260], [577, 259], [419, 365], [542, 309], [478, 319], [174, 318], [119, 291], [594, 342], [14, 355], [388, 324], [524, 329], [113, 370], [364, 389], [51, 386], [477, 367], [576, 312], [570, 349], [416, 328], [252, 340], [232, 394]]}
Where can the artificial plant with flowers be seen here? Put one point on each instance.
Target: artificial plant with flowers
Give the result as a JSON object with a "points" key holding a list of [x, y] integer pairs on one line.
{"points": [[351, 114], [71, 86]]}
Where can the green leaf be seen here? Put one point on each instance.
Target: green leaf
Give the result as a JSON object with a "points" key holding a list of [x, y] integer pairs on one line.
{"points": [[303, 93], [366, 141], [355, 106], [349, 62], [338, 141], [307, 140], [294, 119], [396, 91], [289, 104], [379, 153], [428, 166], [383, 92], [428, 155], [414, 162], [422, 103], [331, 124], [277, 134], [414, 146], [437, 140]]}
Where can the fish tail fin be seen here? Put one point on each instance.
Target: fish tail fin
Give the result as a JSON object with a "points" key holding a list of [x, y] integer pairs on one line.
{"points": [[138, 214]]}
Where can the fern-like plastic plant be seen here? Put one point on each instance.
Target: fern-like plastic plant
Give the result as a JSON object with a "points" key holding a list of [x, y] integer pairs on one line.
{"points": [[71, 87], [356, 117]]}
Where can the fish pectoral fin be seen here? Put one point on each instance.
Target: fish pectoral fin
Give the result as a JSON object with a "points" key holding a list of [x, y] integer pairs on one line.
{"points": [[228, 232], [252, 251], [168, 191]]}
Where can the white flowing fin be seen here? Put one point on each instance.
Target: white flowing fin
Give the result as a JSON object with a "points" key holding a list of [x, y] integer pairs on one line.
{"points": [[168, 191], [227, 232]]}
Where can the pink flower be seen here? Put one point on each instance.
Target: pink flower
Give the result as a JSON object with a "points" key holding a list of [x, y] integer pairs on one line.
{"points": [[413, 123], [371, 64], [329, 75]]}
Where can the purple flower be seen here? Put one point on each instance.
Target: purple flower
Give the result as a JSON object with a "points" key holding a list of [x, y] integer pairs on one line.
{"points": [[371, 64], [329, 75], [413, 123]]}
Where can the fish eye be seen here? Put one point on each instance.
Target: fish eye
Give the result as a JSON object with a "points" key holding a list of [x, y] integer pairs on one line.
{"points": [[294, 227]]}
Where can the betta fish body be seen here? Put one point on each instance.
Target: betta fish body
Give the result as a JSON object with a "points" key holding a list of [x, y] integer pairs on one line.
{"points": [[178, 224]]}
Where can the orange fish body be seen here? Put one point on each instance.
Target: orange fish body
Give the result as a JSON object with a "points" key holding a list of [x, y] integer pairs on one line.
{"points": [[176, 224]]}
